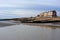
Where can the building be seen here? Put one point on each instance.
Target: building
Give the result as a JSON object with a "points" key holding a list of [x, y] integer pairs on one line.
{"points": [[48, 14]]}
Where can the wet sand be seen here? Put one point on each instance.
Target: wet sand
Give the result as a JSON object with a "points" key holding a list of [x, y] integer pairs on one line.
{"points": [[8, 23], [28, 31]]}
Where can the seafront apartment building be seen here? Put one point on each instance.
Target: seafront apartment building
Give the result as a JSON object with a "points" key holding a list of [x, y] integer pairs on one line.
{"points": [[48, 14]]}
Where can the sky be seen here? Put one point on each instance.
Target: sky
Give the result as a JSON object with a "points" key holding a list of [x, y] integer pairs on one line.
{"points": [[27, 8]]}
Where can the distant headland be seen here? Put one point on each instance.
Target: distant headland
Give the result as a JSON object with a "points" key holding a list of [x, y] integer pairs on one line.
{"points": [[44, 17]]}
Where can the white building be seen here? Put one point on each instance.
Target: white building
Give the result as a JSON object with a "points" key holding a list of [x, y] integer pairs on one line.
{"points": [[48, 14]]}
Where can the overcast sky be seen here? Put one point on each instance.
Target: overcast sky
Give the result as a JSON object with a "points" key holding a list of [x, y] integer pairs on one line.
{"points": [[26, 8]]}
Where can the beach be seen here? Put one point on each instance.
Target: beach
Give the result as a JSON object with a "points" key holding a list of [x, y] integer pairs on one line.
{"points": [[13, 30]]}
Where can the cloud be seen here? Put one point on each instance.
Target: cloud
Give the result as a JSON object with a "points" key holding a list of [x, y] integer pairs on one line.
{"points": [[23, 3], [27, 8], [25, 13], [30, 2]]}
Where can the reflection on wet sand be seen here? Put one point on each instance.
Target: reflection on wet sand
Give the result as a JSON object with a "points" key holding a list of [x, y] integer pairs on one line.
{"points": [[46, 25], [30, 31]]}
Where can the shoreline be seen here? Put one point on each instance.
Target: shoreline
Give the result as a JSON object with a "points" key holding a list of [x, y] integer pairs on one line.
{"points": [[10, 23]]}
